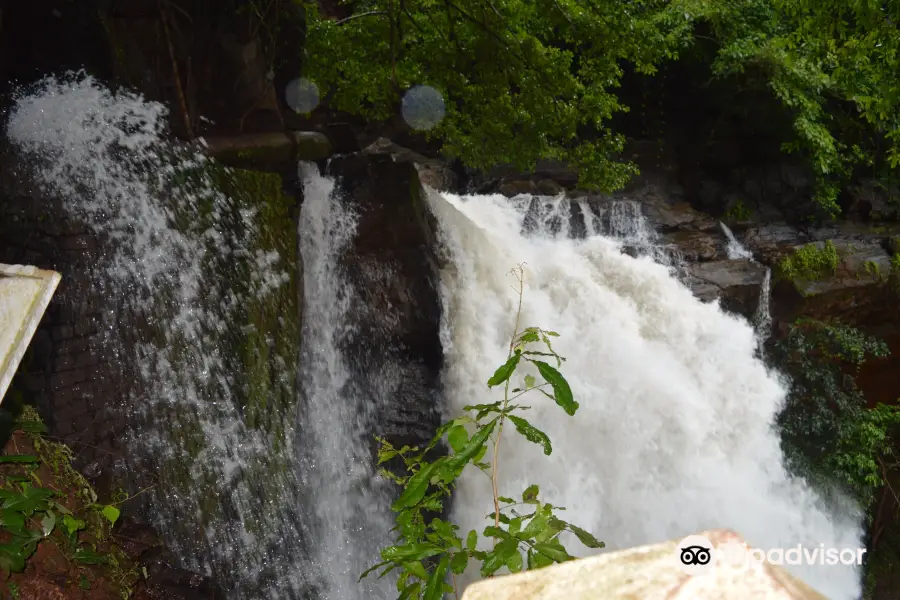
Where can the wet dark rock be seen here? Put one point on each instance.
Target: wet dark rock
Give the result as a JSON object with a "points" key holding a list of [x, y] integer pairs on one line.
{"points": [[166, 581], [859, 289], [735, 282], [696, 246], [548, 187], [516, 187], [275, 152], [870, 201], [432, 172], [343, 137], [395, 269]]}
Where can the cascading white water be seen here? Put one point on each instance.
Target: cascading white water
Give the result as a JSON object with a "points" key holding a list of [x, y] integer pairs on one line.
{"points": [[180, 263], [762, 319], [349, 519], [735, 249], [674, 434], [293, 511]]}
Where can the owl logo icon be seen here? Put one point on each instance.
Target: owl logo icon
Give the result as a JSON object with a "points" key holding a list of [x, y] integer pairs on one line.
{"points": [[695, 555]]}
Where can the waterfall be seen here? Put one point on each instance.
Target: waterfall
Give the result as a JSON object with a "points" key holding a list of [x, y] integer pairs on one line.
{"points": [[734, 249], [674, 434], [182, 267], [762, 319], [349, 518]]}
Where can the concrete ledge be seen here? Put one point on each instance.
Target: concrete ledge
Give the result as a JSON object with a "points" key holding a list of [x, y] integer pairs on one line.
{"points": [[25, 293], [645, 573]]}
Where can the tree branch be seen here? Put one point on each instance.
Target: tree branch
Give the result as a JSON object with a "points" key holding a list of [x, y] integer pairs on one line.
{"points": [[372, 13]]}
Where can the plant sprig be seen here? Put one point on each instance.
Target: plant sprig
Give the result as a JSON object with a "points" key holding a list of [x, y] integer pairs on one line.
{"points": [[429, 549]]}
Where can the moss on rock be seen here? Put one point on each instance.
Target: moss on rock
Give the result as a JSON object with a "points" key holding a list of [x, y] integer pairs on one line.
{"points": [[811, 262]]}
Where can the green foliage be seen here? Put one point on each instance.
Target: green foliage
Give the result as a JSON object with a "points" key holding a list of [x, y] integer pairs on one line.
{"points": [[828, 433], [810, 262], [59, 512], [871, 268], [738, 212], [530, 80], [833, 64], [428, 549], [522, 80]]}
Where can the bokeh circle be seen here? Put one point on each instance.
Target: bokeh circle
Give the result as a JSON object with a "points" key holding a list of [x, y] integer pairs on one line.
{"points": [[302, 95], [423, 107]]}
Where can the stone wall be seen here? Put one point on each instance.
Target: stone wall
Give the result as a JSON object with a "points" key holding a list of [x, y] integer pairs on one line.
{"points": [[70, 381]]}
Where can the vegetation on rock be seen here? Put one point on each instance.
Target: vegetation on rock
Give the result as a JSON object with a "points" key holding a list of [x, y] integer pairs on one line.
{"points": [[50, 511], [810, 262], [428, 550], [829, 434]]}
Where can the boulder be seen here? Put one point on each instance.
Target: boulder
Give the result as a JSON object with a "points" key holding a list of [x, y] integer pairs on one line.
{"points": [[393, 264], [164, 580], [433, 172], [648, 572], [735, 282], [858, 291], [517, 187]]}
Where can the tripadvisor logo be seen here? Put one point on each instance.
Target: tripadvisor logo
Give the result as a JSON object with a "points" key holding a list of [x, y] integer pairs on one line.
{"points": [[696, 555]]}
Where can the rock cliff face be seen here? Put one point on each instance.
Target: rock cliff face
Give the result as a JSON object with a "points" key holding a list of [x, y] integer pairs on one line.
{"points": [[395, 271]]}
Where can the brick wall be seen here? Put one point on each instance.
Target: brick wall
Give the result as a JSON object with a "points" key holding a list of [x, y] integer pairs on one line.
{"points": [[65, 373]]}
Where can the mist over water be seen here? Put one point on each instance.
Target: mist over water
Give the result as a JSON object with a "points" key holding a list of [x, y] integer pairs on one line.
{"points": [[673, 436], [674, 433]]}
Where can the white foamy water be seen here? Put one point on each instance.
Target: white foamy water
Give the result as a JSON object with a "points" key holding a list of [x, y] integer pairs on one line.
{"points": [[734, 249], [180, 262], [674, 433], [348, 517]]}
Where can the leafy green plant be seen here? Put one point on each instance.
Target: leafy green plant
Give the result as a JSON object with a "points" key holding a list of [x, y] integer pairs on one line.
{"points": [[871, 268], [524, 81], [59, 511], [828, 433], [810, 262], [524, 533], [738, 212]]}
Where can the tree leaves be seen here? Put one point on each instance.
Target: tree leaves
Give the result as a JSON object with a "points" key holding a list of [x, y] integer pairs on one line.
{"points": [[19, 458], [29, 500], [111, 513], [554, 552], [434, 590], [513, 90], [584, 537]]}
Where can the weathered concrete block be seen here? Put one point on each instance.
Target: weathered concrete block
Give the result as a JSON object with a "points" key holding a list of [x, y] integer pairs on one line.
{"points": [[268, 151], [645, 573]]}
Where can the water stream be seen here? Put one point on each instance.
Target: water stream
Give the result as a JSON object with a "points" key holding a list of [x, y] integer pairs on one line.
{"points": [[674, 434]]}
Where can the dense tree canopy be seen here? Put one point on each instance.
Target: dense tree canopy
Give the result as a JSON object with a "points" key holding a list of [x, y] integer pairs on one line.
{"points": [[525, 80]]}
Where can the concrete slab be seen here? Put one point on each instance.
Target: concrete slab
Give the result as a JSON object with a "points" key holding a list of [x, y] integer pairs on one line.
{"points": [[25, 293]]}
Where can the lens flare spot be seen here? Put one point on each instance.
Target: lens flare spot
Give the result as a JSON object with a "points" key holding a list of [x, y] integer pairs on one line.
{"points": [[423, 107], [302, 95]]}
